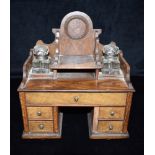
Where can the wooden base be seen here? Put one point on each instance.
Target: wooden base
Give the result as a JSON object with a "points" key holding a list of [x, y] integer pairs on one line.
{"points": [[48, 135], [97, 135]]}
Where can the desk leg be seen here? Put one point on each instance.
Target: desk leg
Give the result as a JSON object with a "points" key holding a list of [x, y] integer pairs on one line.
{"points": [[57, 128], [93, 121], [95, 115], [56, 119], [24, 111]]}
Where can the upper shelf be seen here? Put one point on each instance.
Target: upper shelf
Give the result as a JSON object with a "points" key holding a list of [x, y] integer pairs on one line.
{"points": [[76, 62]]}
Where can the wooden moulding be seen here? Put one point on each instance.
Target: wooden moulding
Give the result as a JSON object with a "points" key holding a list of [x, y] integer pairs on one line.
{"points": [[125, 68], [95, 119], [24, 111], [70, 85], [97, 135], [56, 119], [26, 69], [127, 111], [45, 135]]}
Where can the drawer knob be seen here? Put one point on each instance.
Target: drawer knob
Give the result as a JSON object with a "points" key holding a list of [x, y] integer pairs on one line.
{"points": [[41, 126], [76, 98], [112, 113], [38, 113], [110, 127]]}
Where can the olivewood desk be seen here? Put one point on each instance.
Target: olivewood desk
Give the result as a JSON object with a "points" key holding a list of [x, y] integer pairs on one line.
{"points": [[76, 70]]}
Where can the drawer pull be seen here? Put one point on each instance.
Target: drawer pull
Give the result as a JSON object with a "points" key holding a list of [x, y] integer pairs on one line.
{"points": [[110, 127], [38, 113], [41, 126], [112, 113], [76, 98]]}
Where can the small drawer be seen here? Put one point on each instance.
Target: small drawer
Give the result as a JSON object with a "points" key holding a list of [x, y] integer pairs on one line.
{"points": [[111, 113], [41, 126], [110, 126], [40, 113]]}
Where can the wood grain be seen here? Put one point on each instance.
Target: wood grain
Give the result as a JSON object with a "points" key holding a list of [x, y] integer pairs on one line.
{"points": [[61, 99], [79, 46], [127, 111], [125, 67], [34, 126], [76, 62], [103, 126], [26, 69], [111, 113], [95, 119], [46, 113], [104, 135], [75, 80], [107, 85], [24, 111], [45, 135], [56, 119]]}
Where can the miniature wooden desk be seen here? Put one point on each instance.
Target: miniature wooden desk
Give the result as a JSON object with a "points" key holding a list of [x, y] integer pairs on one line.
{"points": [[75, 77]]}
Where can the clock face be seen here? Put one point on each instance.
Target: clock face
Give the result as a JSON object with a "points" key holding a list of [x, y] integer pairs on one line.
{"points": [[76, 28]]}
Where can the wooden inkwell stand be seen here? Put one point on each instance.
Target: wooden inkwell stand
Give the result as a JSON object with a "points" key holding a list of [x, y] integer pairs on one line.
{"points": [[76, 70]]}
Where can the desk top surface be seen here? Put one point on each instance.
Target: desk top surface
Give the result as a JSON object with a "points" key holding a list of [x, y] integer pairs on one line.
{"points": [[107, 85]]}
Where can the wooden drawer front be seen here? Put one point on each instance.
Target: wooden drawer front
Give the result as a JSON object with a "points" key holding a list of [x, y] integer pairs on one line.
{"points": [[105, 99], [111, 113], [40, 113], [110, 126], [41, 126]]}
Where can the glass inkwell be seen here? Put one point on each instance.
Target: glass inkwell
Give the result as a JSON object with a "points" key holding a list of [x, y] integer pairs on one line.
{"points": [[111, 63], [41, 59]]}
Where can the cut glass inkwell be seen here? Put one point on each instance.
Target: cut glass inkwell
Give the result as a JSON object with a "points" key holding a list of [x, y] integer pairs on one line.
{"points": [[111, 60], [41, 59]]}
